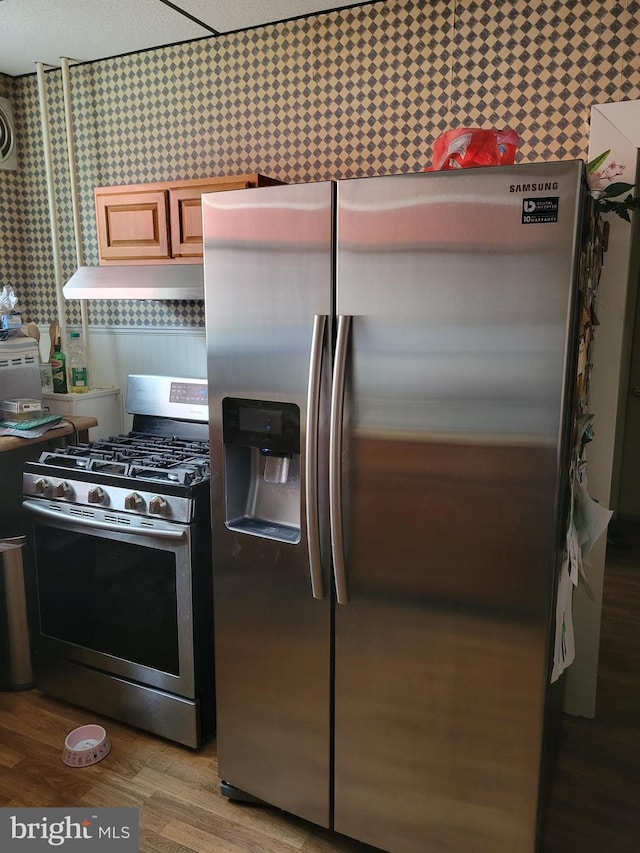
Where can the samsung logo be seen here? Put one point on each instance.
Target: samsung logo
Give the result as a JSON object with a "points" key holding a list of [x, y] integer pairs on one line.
{"points": [[531, 188]]}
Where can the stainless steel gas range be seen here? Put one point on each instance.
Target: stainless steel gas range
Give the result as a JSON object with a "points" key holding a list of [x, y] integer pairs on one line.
{"points": [[121, 538]]}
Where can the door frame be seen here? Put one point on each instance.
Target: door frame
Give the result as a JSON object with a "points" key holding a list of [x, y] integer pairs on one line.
{"points": [[614, 126]]}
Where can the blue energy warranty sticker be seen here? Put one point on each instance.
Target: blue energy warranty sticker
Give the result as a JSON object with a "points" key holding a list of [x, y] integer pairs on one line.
{"points": [[537, 210]]}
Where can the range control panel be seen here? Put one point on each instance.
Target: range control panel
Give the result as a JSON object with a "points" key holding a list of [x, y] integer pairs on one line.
{"points": [[188, 393], [168, 397]]}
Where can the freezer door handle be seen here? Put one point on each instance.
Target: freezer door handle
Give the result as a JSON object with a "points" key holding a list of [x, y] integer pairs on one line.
{"points": [[335, 458], [311, 455]]}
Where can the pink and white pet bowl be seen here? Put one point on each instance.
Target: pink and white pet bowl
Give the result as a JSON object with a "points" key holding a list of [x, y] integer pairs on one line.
{"points": [[85, 746]]}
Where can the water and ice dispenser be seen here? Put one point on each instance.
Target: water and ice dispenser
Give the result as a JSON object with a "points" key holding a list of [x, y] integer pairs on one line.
{"points": [[262, 468]]}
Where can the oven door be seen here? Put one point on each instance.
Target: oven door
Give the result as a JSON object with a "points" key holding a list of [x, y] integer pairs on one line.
{"points": [[117, 600]]}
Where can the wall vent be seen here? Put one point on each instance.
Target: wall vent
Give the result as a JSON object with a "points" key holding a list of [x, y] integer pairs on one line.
{"points": [[8, 156]]}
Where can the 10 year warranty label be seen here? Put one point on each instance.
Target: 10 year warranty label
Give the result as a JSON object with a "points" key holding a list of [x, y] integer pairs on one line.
{"points": [[537, 210]]}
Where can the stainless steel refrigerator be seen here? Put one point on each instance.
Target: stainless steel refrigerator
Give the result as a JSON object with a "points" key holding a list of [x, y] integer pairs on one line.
{"points": [[391, 365]]}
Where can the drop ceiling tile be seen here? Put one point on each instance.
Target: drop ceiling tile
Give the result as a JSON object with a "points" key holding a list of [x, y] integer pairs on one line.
{"points": [[88, 30], [226, 16], [83, 30]]}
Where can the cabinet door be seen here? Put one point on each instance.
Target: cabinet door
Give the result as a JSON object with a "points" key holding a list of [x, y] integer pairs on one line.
{"points": [[133, 227], [186, 214]]}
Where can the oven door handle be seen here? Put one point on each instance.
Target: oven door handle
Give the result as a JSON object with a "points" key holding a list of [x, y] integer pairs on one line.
{"points": [[44, 512]]}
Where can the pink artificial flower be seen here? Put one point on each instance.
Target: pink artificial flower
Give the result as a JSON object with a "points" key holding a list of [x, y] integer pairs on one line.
{"points": [[598, 180]]}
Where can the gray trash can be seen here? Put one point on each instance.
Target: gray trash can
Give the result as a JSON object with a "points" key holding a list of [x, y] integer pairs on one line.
{"points": [[15, 652]]}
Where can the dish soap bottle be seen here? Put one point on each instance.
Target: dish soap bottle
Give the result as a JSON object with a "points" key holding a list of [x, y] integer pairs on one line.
{"points": [[77, 361], [59, 369]]}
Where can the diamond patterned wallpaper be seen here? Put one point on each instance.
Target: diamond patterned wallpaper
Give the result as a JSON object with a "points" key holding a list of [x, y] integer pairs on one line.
{"points": [[362, 91]]}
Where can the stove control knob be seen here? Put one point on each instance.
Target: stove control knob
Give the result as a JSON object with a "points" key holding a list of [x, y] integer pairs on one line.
{"points": [[95, 495], [62, 490], [158, 506], [133, 501], [41, 486]]}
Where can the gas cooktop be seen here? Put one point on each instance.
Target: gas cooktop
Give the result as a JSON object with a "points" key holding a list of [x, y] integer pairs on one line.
{"points": [[158, 459], [158, 470]]}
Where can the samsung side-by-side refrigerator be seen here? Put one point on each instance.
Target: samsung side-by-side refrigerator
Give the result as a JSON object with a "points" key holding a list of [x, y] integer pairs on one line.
{"points": [[391, 368]]}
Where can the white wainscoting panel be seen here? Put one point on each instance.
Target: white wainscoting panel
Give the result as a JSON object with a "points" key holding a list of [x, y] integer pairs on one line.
{"points": [[117, 351]]}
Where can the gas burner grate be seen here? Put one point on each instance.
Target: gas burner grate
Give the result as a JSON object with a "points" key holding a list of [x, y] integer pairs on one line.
{"points": [[137, 456], [62, 460], [108, 466], [180, 475]]}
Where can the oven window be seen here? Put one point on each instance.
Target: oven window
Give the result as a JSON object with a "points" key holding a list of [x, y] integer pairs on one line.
{"points": [[108, 595]]}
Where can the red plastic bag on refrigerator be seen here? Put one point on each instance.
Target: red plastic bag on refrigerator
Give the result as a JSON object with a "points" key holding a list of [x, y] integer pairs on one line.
{"points": [[466, 147]]}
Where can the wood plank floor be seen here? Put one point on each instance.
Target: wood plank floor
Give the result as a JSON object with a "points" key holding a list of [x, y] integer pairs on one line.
{"points": [[595, 802]]}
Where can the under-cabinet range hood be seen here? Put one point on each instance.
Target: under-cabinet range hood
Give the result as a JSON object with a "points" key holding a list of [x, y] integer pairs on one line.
{"points": [[148, 281]]}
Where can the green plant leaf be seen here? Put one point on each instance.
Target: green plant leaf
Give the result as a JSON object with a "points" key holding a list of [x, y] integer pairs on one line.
{"points": [[616, 189], [595, 164], [620, 208]]}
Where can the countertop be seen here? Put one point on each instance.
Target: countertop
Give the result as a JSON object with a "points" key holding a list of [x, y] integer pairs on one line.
{"points": [[73, 425]]}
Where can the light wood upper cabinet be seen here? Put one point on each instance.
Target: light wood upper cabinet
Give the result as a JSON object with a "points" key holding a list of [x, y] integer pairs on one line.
{"points": [[133, 225], [185, 213], [159, 222]]}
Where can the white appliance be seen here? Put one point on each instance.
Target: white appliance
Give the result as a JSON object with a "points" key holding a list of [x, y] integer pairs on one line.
{"points": [[104, 404], [19, 369]]}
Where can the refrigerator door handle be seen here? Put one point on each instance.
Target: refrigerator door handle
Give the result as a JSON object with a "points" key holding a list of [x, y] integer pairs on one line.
{"points": [[311, 455], [335, 458]]}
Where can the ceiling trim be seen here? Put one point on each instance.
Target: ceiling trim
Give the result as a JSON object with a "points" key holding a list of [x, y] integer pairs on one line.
{"points": [[191, 17]]}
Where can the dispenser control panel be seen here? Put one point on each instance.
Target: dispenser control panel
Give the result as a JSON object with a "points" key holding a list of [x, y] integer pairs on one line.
{"points": [[273, 427]]}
